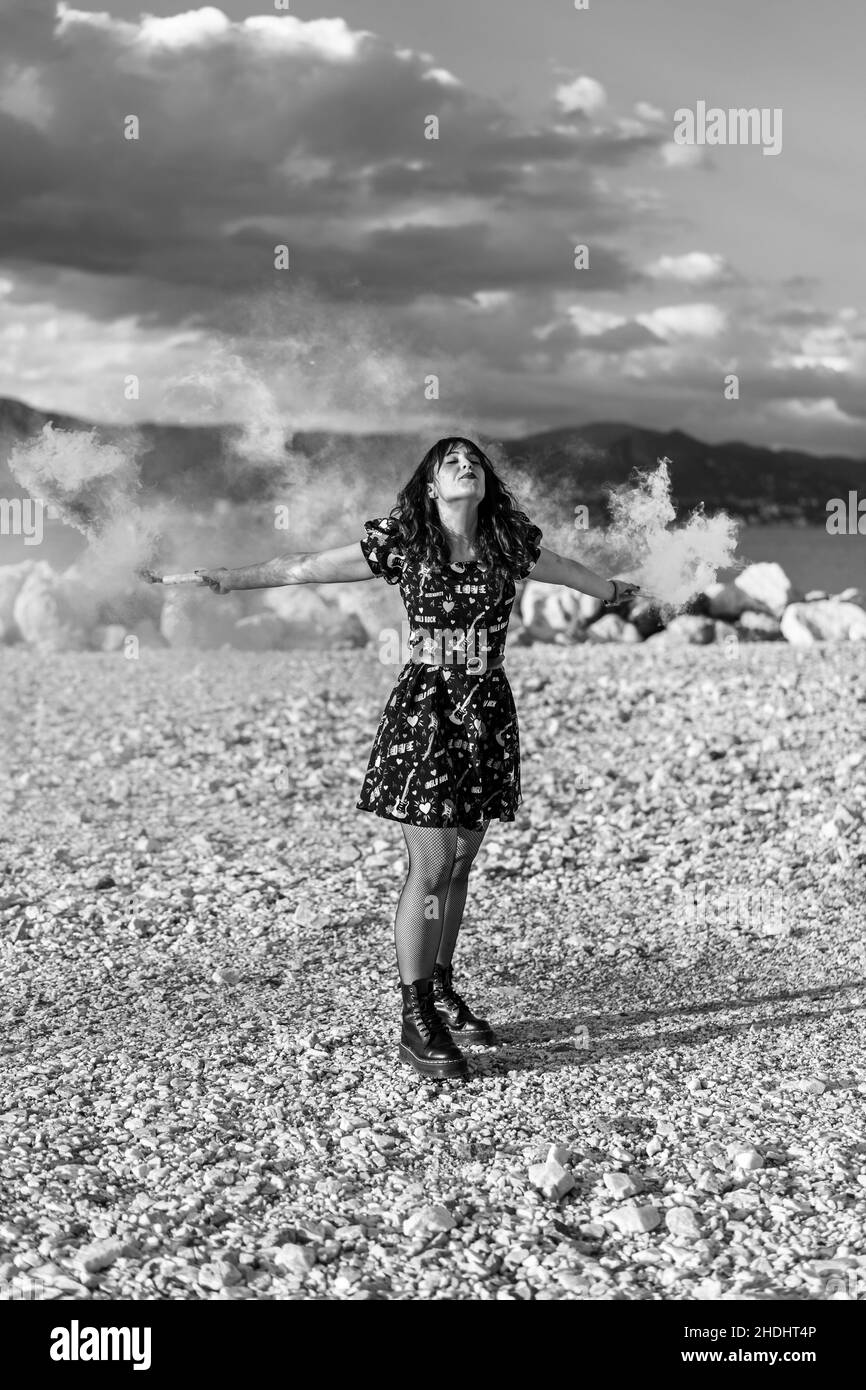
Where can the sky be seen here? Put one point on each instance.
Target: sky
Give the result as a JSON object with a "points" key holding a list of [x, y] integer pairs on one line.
{"points": [[431, 283]]}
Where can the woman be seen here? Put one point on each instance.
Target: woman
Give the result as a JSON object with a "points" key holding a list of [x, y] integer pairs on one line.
{"points": [[446, 757]]}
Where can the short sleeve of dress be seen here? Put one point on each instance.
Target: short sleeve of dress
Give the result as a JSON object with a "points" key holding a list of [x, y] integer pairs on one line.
{"points": [[383, 549], [533, 551]]}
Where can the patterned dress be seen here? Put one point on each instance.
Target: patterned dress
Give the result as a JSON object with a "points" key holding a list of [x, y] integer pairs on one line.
{"points": [[447, 750]]}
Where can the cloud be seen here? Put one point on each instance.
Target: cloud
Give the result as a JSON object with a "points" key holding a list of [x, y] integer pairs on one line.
{"points": [[674, 321], [647, 112], [277, 130], [685, 156], [582, 94], [691, 268], [408, 256]]}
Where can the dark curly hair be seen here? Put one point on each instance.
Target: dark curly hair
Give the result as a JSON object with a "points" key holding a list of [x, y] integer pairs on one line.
{"points": [[500, 537]]}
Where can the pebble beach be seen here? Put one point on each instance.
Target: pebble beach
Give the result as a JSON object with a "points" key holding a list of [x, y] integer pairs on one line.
{"points": [[201, 1097]]}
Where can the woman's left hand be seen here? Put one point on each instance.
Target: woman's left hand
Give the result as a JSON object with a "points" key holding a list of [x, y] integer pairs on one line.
{"points": [[623, 589]]}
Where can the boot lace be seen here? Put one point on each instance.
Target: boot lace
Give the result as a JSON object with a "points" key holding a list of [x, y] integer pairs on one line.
{"points": [[449, 994], [423, 1011]]}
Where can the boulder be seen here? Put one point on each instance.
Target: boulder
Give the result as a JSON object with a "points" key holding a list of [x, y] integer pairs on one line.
{"points": [[312, 622], [46, 615], [612, 628], [815, 594], [760, 588], [12, 578], [377, 606], [690, 628], [85, 597], [724, 632], [518, 635], [767, 588], [857, 596], [645, 617], [725, 601], [553, 613], [825, 620], [759, 627]]}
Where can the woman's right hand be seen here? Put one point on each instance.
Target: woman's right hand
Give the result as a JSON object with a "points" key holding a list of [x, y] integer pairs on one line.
{"points": [[217, 580]]}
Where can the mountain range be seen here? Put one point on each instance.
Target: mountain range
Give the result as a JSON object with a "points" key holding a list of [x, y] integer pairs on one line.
{"points": [[578, 464]]}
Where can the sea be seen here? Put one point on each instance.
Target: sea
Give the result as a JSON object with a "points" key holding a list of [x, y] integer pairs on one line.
{"points": [[811, 557]]}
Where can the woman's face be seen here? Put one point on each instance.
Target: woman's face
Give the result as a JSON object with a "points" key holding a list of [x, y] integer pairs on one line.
{"points": [[460, 476]]}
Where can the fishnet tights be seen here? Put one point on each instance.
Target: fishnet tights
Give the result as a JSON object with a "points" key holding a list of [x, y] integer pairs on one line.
{"points": [[430, 908]]}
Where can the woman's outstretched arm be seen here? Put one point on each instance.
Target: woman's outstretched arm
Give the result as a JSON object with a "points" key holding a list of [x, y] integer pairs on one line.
{"points": [[337, 565], [551, 568]]}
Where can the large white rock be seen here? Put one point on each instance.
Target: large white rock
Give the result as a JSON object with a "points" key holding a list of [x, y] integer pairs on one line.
{"points": [[857, 596], [825, 620], [767, 588], [12, 578], [692, 628], [554, 613], [725, 601], [46, 615], [760, 588], [612, 628]]}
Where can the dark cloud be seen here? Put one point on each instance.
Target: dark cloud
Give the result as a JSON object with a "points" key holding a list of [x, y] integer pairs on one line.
{"points": [[300, 134]]}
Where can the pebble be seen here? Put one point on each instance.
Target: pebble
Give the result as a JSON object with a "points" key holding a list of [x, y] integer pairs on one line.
{"points": [[103, 1253], [748, 1160], [551, 1177], [682, 1221], [635, 1218], [295, 1259], [428, 1220], [622, 1184], [196, 1128]]}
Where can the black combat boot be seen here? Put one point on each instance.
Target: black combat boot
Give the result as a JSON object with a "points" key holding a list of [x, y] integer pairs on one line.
{"points": [[455, 1012], [425, 1042]]}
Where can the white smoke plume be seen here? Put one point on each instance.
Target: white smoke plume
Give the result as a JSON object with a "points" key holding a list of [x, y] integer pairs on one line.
{"points": [[94, 486], [643, 543]]}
